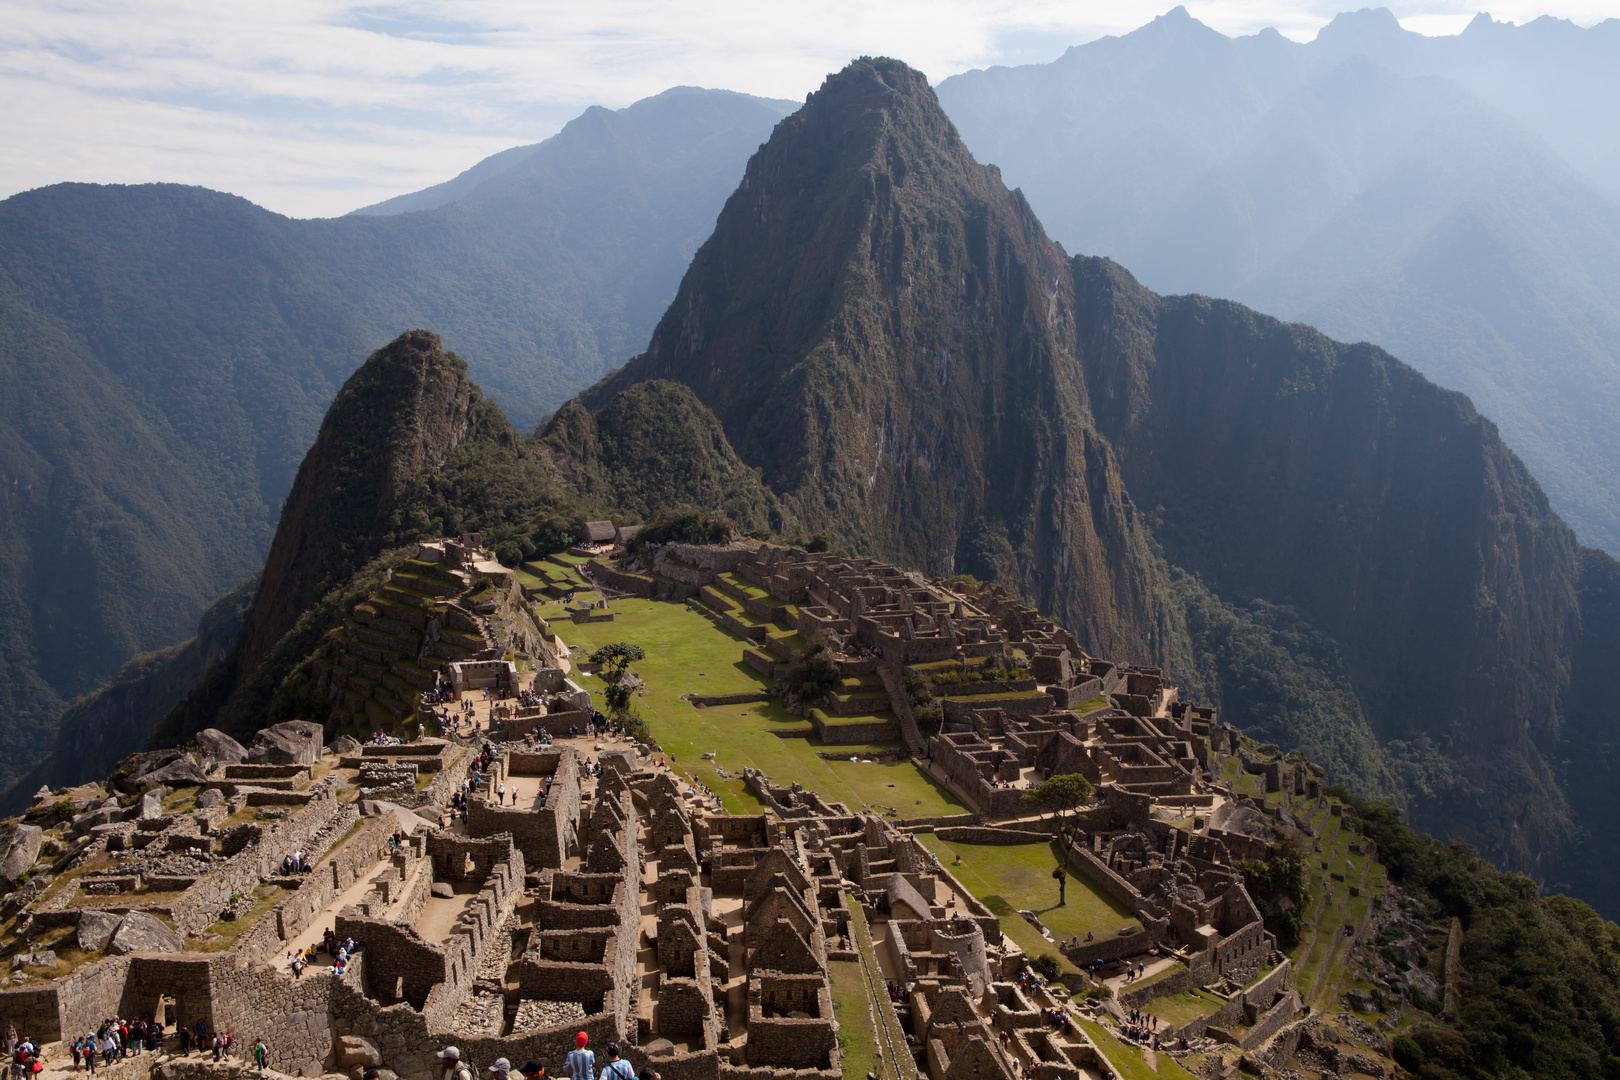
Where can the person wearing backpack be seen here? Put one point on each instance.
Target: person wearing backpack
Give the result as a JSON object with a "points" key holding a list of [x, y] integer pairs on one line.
{"points": [[617, 1068], [453, 1068], [260, 1053]]}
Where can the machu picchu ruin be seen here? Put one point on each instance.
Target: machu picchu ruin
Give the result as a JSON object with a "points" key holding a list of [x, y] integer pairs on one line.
{"points": [[472, 852]]}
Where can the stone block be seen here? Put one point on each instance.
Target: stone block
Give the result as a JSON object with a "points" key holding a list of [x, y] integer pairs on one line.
{"points": [[355, 1050]]}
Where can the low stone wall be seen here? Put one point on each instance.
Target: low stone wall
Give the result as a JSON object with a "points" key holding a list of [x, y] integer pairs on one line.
{"points": [[760, 663], [199, 906], [728, 699], [837, 734], [989, 835], [619, 581]]}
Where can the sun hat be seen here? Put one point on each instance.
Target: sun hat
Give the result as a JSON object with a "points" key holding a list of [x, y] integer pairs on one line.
{"points": [[450, 1053]]}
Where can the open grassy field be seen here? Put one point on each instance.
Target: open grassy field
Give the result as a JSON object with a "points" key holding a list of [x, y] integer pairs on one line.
{"points": [[1017, 877], [688, 654]]}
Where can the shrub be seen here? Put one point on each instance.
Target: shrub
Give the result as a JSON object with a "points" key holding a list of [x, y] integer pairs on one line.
{"points": [[1407, 1053], [1047, 966]]}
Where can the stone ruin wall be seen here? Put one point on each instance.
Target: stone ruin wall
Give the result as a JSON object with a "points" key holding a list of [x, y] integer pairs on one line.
{"points": [[198, 908]]}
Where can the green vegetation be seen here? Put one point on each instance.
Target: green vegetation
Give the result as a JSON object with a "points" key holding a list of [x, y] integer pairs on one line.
{"points": [[1542, 996], [1018, 877], [1061, 795], [1130, 1061], [689, 654]]}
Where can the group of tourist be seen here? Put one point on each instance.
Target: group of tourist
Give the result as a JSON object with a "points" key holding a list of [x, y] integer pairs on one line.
{"points": [[382, 738], [1143, 1028], [24, 1055], [116, 1039], [898, 993], [295, 863], [339, 951], [580, 1065]]}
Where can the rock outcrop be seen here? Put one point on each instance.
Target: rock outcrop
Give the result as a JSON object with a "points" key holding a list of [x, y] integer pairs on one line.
{"points": [[219, 748], [296, 742], [19, 850], [139, 931]]}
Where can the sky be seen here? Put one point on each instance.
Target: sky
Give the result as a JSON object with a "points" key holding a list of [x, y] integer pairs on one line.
{"points": [[315, 107]]}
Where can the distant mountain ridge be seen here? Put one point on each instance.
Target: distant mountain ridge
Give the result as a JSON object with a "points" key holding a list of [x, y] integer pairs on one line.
{"points": [[1373, 183], [169, 352]]}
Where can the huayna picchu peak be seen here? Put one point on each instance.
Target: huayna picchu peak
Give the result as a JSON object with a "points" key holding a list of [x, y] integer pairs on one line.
{"points": [[934, 654]]}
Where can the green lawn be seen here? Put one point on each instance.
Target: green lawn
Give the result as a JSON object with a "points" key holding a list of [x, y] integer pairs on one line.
{"points": [[852, 1006], [1130, 1062], [688, 654], [1010, 878], [1183, 1008]]}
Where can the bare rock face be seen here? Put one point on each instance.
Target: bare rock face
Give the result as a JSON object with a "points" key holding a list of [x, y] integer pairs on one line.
{"points": [[220, 749], [96, 929], [355, 1050], [19, 850], [345, 744], [296, 742], [210, 798], [181, 772], [132, 772], [442, 890], [140, 932]]}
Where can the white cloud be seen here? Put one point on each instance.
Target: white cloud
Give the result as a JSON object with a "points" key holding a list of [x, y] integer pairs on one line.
{"points": [[314, 107]]}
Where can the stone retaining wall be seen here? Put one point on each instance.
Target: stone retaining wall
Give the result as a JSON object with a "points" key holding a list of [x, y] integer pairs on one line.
{"points": [[988, 835]]}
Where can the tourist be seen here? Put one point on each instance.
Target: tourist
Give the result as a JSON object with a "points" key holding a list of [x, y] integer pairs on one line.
{"points": [[617, 1068], [501, 1069], [109, 1047], [581, 1062], [219, 1046], [185, 1039], [260, 1053], [533, 1070], [649, 1074], [453, 1068]]}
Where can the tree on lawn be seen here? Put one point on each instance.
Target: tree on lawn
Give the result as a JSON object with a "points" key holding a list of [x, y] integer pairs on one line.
{"points": [[615, 658], [1061, 876], [1061, 795]]}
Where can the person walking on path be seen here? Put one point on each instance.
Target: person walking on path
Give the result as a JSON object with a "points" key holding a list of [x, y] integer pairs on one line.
{"points": [[581, 1062], [260, 1053]]}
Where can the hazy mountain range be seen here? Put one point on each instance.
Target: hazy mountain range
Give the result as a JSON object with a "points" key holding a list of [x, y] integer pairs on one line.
{"points": [[169, 352], [1451, 199]]}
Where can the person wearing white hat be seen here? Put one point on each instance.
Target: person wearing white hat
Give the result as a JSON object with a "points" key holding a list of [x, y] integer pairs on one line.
{"points": [[501, 1069], [453, 1068]]}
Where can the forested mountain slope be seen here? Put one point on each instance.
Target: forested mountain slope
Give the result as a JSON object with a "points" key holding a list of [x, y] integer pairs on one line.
{"points": [[169, 353], [1414, 192]]}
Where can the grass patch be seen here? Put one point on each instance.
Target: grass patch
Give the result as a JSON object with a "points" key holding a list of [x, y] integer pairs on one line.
{"points": [[1015, 877], [1181, 1009], [1130, 1062], [688, 654], [1088, 705], [857, 1038]]}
